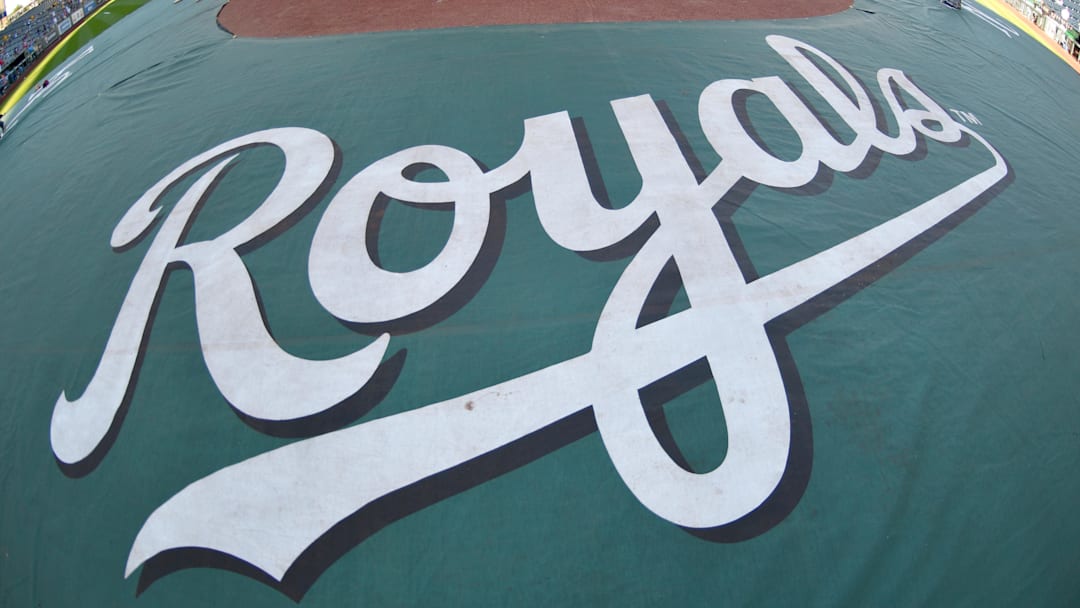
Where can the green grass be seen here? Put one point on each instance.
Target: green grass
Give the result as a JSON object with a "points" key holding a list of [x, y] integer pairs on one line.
{"points": [[102, 20]]}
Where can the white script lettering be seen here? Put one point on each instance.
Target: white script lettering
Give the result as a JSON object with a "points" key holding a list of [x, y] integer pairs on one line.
{"points": [[269, 509]]}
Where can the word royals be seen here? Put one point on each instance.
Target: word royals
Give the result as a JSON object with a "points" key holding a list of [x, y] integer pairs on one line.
{"points": [[267, 510]]}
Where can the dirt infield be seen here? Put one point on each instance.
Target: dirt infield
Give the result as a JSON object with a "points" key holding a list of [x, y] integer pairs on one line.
{"points": [[284, 18]]}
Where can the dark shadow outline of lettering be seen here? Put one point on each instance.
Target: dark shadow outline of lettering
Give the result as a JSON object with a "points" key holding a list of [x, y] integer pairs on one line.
{"points": [[653, 397], [87, 465], [825, 124], [359, 403], [741, 107], [379, 207], [725, 209], [661, 295], [636, 239], [382, 203], [881, 121], [921, 150], [302, 211], [93, 460], [373, 517], [591, 163], [800, 460], [665, 390], [796, 476], [392, 507], [338, 416], [374, 226], [469, 284], [873, 159], [682, 141]]}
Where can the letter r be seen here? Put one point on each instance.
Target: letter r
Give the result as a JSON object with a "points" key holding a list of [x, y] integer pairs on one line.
{"points": [[252, 372]]}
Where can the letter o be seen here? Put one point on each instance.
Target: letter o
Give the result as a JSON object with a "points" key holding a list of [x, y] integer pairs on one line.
{"points": [[344, 278]]}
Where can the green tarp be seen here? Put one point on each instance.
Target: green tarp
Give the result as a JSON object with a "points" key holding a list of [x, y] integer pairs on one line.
{"points": [[689, 314]]}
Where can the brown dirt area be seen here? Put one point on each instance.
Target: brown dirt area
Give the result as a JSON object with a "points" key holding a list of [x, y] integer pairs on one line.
{"points": [[287, 18]]}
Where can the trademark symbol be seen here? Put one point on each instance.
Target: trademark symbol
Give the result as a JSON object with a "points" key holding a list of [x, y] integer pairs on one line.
{"points": [[967, 117]]}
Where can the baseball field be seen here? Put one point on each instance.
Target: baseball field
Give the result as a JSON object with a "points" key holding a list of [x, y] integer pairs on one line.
{"points": [[613, 312]]}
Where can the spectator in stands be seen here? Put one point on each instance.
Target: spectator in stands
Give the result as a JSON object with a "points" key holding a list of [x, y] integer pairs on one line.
{"points": [[33, 30]]}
